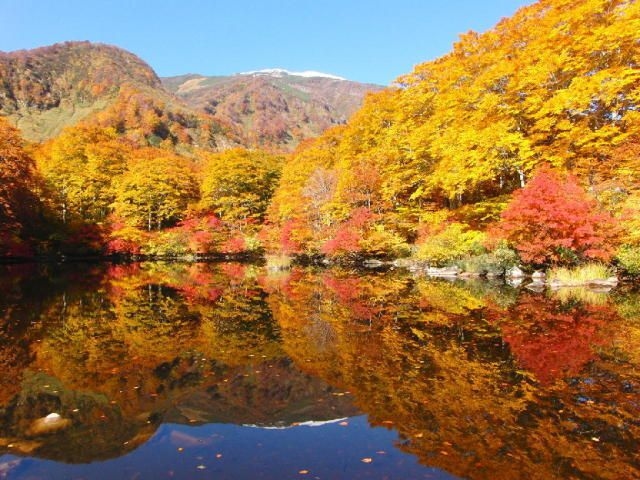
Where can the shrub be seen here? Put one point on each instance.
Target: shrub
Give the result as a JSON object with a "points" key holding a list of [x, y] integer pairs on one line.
{"points": [[380, 242], [452, 243], [168, 243], [126, 240], [629, 259], [494, 263]]}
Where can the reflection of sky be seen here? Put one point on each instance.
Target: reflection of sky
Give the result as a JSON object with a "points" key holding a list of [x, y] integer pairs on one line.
{"points": [[224, 451]]}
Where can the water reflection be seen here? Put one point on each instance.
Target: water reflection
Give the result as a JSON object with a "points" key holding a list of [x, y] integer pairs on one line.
{"points": [[479, 380]]}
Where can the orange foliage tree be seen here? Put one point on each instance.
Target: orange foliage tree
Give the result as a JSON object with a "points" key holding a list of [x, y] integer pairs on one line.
{"points": [[17, 179]]}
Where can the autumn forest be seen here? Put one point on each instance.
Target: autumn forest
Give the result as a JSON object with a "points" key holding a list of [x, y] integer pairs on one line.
{"points": [[521, 145], [279, 274]]}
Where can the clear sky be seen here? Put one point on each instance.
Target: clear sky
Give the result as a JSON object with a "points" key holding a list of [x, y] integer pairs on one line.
{"points": [[366, 40]]}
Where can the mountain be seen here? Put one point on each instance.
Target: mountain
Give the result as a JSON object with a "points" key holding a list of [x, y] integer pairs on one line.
{"points": [[46, 89], [274, 108]]}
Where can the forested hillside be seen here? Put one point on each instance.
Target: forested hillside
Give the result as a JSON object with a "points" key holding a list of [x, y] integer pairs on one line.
{"points": [[521, 144], [49, 88], [435, 160], [274, 109]]}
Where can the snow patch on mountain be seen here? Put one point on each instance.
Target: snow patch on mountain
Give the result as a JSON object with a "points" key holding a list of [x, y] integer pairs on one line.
{"points": [[281, 72]]}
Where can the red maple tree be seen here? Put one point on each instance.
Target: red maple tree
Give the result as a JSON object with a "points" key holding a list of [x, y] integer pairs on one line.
{"points": [[553, 220]]}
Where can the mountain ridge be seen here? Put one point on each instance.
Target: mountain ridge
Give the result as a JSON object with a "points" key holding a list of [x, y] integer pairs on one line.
{"points": [[277, 72], [46, 89], [275, 108]]}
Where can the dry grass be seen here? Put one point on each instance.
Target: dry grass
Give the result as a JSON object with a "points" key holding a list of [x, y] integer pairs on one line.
{"points": [[581, 275]]}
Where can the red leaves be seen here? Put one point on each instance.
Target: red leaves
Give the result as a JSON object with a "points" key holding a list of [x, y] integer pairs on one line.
{"points": [[552, 217], [233, 245], [346, 240], [288, 244], [347, 237]]}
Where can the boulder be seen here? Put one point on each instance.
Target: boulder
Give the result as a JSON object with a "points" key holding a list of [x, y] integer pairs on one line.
{"points": [[443, 272], [514, 272], [49, 424], [538, 276], [373, 263]]}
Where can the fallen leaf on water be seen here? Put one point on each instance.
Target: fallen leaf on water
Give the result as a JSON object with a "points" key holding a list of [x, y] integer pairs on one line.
{"points": [[218, 455], [180, 449], [367, 460], [303, 472], [343, 424]]}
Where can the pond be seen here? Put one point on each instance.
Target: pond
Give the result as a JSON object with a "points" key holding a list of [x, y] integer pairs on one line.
{"points": [[224, 371]]}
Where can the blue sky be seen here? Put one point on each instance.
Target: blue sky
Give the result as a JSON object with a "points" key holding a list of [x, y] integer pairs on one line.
{"points": [[365, 40]]}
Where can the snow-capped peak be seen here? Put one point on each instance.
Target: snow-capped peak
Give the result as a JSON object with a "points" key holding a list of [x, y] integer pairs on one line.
{"points": [[281, 72]]}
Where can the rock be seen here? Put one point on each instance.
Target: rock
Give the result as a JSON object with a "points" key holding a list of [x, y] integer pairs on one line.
{"points": [[49, 424], [443, 272], [538, 275], [469, 275], [372, 263], [403, 263], [515, 272]]}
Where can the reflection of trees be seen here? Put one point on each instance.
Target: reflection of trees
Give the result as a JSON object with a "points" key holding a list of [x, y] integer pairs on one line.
{"points": [[441, 362], [114, 338], [435, 365], [552, 339], [131, 339], [27, 290]]}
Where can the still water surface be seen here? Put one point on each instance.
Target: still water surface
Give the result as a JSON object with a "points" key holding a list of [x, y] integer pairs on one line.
{"points": [[223, 371]]}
